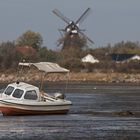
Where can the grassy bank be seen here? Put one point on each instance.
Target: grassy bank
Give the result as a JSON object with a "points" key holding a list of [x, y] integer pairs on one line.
{"points": [[80, 76]]}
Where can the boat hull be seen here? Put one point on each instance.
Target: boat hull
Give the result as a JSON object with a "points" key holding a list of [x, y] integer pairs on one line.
{"points": [[11, 109]]}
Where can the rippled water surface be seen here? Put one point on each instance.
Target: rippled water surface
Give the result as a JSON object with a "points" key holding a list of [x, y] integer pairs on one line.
{"points": [[98, 112]]}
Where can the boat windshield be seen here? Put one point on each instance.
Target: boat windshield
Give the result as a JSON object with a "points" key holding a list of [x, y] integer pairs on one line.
{"points": [[9, 90], [31, 95], [18, 93]]}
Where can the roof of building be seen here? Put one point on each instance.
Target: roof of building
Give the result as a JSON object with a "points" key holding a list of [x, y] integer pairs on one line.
{"points": [[89, 59], [122, 57]]}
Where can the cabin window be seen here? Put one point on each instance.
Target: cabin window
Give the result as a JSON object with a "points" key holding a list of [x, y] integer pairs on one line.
{"points": [[18, 93], [31, 95], [9, 90]]}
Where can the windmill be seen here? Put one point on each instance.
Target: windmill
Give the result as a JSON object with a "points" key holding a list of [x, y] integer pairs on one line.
{"points": [[72, 27]]}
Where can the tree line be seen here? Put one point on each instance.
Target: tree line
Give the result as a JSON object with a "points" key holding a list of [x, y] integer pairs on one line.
{"points": [[29, 47]]}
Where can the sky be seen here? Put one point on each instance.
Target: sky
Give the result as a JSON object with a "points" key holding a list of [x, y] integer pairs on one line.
{"points": [[110, 21]]}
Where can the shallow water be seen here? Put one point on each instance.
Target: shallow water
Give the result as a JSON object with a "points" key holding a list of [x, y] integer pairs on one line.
{"points": [[98, 112]]}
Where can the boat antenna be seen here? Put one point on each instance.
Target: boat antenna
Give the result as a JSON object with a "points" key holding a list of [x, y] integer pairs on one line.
{"points": [[67, 81], [42, 80], [19, 71]]}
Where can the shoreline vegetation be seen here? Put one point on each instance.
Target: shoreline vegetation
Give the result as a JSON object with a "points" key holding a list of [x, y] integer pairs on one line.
{"points": [[97, 77], [28, 48]]}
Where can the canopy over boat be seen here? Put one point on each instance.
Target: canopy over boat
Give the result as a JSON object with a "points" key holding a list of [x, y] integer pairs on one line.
{"points": [[47, 67]]}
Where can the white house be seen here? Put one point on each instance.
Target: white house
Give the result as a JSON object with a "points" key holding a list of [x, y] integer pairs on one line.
{"points": [[135, 57], [89, 59]]}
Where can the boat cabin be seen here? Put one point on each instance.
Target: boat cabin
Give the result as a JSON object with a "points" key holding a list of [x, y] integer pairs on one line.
{"points": [[21, 91]]}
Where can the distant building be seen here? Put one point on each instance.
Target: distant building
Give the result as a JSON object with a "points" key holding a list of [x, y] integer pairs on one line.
{"points": [[89, 59], [122, 57], [26, 51], [135, 57]]}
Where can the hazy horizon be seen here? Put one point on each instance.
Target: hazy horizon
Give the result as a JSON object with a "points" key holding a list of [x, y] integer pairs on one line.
{"points": [[109, 21]]}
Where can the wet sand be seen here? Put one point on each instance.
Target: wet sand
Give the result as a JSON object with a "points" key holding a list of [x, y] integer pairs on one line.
{"points": [[99, 111]]}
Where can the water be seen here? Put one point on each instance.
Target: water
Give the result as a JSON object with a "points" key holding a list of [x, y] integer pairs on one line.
{"points": [[99, 111]]}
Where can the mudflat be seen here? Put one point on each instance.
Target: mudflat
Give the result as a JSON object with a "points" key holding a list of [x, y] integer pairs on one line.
{"points": [[99, 111]]}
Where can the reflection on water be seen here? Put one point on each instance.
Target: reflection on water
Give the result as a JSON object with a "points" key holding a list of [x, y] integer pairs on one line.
{"points": [[95, 114]]}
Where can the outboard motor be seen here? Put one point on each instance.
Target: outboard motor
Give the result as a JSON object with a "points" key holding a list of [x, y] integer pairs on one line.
{"points": [[59, 95]]}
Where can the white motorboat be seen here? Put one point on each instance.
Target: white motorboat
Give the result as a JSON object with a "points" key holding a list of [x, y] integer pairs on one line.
{"points": [[21, 98]]}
